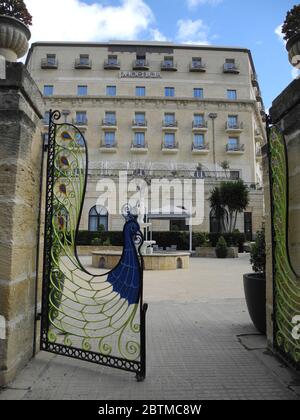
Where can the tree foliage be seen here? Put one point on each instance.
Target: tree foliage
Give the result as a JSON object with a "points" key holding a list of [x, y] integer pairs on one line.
{"points": [[16, 9], [291, 26], [227, 201], [258, 253]]}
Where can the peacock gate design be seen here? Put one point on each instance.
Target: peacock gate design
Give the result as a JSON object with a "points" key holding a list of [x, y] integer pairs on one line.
{"points": [[97, 318], [286, 281]]}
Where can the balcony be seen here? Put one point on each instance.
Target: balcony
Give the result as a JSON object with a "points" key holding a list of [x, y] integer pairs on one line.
{"points": [[170, 125], [140, 65], [258, 136], [81, 122], [83, 64], [235, 149], [139, 148], [48, 63], [200, 126], [108, 147], [139, 125], [254, 80], [197, 66], [112, 65], [169, 148], [202, 149], [234, 127], [231, 68], [168, 66], [109, 124]]}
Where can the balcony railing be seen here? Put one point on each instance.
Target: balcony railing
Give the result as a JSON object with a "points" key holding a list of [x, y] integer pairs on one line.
{"points": [[235, 148], [140, 123], [108, 144], [170, 124], [204, 146], [136, 145], [168, 66], [48, 63], [169, 146], [230, 68], [107, 122], [199, 125], [112, 65], [238, 126], [83, 63], [197, 66], [83, 121], [141, 65]]}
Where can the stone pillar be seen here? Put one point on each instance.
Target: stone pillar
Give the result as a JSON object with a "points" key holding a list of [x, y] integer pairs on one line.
{"points": [[21, 108], [285, 113]]}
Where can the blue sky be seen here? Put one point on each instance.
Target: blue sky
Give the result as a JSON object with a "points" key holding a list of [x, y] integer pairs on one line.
{"points": [[251, 24]]}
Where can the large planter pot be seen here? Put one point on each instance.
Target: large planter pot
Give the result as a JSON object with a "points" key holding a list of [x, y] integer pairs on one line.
{"points": [[293, 47], [255, 294], [14, 37]]}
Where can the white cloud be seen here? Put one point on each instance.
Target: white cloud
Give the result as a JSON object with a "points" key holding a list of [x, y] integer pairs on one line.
{"points": [[74, 20], [192, 4], [156, 35], [278, 32], [192, 32], [295, 73]]}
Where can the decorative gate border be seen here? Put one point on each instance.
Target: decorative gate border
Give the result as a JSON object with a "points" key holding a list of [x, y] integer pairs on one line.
{"points": [[286, 282], [106, 359]]}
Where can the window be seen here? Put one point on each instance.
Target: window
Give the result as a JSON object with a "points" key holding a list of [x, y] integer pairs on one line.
{"points": [[109, 138], [169, 119], [98, 218], [46, 118], [84, 59], [169, 140], [110, 118], [140, 118], [82, 90], [48, 90], [169, 92], [232, 121], [198, 93], [111, 90], [199, 140], [141, 59], [233, 143], [168, 62], [51, 59], [198, 120], [112, 59], [81, 117], [140, 91], [139, 139], [231, 94]]}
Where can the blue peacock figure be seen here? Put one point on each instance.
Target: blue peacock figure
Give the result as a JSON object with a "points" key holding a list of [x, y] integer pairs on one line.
{"points": [[94, 313]]}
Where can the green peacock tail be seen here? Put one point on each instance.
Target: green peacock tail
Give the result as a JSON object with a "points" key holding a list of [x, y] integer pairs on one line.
{"points": [[287, 283]]}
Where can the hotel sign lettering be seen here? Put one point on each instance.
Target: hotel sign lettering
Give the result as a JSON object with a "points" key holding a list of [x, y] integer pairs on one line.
{"points": [[140, 74]]}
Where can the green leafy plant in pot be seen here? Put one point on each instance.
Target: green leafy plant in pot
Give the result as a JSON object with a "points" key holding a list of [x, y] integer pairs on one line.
{"points": [[291, 32], [221, 248], [255, 283]]}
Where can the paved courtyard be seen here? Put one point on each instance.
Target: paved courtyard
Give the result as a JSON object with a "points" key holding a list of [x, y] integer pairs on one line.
{"points": [[200, 342]]}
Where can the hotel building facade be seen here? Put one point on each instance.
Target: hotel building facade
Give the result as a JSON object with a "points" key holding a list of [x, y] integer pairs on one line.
{"points": [[158, 111]]}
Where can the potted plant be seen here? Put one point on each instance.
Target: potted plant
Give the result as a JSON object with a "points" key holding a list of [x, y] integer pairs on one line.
{"points": [[291, 31], [221, 248], [14, 32], [255, 283]]}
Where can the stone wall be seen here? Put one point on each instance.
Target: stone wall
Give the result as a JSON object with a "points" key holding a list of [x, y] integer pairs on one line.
{"points": [[21, 107]]}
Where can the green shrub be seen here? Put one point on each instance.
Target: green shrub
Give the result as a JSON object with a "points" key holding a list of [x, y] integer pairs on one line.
{"points": [[107, 242], [221, 248], [291, 25], [96, 241], [258, 254]]}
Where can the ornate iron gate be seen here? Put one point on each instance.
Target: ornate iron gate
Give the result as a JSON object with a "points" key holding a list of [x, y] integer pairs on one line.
{"points": [[97, 318], [286, 281]]}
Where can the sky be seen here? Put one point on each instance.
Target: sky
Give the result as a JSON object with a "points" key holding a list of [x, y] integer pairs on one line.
{"points": [[253, 24]]}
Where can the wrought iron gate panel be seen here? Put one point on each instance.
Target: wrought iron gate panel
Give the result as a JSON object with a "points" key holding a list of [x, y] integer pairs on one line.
{"points": [[286, 281], [98, 318]]}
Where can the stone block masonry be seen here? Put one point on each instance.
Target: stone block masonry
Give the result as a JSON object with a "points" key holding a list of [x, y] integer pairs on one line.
{"points": [[21, 108]]}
